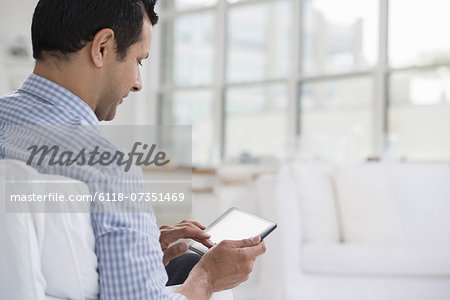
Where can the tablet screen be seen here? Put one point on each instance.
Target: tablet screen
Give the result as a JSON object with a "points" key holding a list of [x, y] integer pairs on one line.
{"points": [[235, 224]]}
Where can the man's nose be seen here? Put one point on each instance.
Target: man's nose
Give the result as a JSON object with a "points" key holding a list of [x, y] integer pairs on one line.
{"points": [[137, 86]]}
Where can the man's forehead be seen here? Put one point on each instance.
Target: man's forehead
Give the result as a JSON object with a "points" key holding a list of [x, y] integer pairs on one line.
{"points": [[147, 25], [143, 45], [147, 29]]}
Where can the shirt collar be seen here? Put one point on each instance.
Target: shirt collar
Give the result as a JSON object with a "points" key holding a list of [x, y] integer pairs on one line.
{"points": [[59, 96]]}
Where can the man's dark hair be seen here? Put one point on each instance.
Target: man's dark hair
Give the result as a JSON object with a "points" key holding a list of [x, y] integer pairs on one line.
{"points": [[63, 27]]}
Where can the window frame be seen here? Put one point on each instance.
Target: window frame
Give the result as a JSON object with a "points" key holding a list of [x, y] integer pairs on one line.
{"points": [[379, 73]]}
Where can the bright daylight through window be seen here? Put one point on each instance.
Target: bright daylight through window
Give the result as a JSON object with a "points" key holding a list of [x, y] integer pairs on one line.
{"points": [[315, 79]]}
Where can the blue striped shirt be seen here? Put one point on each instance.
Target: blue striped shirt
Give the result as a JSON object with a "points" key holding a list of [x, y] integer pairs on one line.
{"points": [[127, 244]]}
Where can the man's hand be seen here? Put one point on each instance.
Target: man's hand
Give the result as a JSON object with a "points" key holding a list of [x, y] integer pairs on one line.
{"points": [[182, 230], [224, 266]]}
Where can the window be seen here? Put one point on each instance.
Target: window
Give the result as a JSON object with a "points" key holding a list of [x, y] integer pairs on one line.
{"points": [[419, 114], [256, 121], [186, 4], [418, 32], [337, 39], [336, 113], [190, 56], [187, 71], [259, 37], [193, 107], [336, 118], [419, 81], [323, 79]]}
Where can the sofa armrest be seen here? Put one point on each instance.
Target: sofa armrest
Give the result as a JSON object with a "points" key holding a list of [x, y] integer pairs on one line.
{"points": [[277, 201], [21, 276]]}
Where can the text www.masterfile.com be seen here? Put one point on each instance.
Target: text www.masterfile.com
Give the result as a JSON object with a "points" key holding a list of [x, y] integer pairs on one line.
{"points": [[102, 197]]}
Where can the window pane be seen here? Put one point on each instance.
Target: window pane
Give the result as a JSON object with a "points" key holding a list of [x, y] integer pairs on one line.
{"points": [[419, 32], [419, 114], [336, 119], [259, 37], [190, 62], [256, 121], [193, 108], [187, 4], [339, 36]]}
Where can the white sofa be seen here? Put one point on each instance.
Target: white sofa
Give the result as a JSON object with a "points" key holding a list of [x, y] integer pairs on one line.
{"points": [[363, 231], [47, 256]]}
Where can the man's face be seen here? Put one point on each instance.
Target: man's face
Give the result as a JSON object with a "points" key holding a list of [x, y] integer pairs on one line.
{"points": [[123, 76]]}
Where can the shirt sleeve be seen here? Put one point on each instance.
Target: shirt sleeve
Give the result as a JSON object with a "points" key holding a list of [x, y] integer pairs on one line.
{"points": [[130, 257]]}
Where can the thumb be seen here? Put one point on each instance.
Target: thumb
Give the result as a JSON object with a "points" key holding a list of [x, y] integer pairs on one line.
{"points": [[173, 252], [250, 242]]}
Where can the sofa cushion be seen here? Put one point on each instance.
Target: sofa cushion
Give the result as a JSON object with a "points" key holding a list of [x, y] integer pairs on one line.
{"points": [[353, 259], [422, 195], [317, 203], [21, 276], [367, 205], [49, 254]]}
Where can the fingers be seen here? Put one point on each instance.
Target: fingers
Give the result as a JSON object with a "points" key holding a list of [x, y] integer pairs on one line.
{"points": [[197, 224], [207, 242], [204, 239], [252, 247], [245, 243], [231, 262], [249, 242], [183, 224], [170, 234], [174, 251], [257, 250], [193, 223]]}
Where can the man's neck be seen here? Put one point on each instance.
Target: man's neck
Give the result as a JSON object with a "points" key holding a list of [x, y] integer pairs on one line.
{"points": [[69, 76]]}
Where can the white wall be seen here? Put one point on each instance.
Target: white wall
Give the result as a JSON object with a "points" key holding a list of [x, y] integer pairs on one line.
{"points": [[15, 23], [15, 20]]}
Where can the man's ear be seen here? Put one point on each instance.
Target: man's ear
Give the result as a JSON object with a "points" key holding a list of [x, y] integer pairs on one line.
{"points": [[103, 44]]}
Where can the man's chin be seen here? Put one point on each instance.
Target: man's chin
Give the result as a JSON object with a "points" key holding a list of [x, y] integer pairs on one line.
{"points": [[108, 116], [111, 116]]}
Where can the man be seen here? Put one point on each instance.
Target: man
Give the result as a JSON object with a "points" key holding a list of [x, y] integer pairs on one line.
{"points": [[87, 55]]}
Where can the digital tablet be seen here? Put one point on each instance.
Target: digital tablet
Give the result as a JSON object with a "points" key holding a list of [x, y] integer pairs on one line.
{"points": [[235, 224]]}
